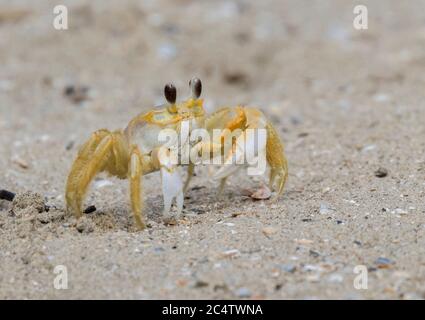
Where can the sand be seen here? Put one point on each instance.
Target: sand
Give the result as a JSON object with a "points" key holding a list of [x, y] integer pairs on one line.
{"points": [[345, 102]]}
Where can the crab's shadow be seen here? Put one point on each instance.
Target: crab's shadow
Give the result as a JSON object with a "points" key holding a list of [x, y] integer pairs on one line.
{"points": [[199, 200]]}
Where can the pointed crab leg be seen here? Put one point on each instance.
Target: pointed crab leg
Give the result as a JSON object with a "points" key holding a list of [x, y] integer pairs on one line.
{"points": [[135, 187], [276, 159], [91, 158]]}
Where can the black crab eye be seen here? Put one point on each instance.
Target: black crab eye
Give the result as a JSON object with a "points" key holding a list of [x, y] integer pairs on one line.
{"points": [[170, 93], [196, 87]]}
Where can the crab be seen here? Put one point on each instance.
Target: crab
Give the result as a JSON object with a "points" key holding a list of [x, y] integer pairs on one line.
{"points": [[136, 151]]}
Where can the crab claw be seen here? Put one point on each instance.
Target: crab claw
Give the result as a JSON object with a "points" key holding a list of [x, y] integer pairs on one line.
{"points": [[256, 146], [248, 150]]}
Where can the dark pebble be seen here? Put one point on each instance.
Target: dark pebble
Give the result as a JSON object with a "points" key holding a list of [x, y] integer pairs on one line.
{"points": [[381, 172], [7, 195], [69, 145], [197, 188], [198, 211], [220, 287], [236, 77], [90, 209], [201, 284], [76, 94], [314, 254]]}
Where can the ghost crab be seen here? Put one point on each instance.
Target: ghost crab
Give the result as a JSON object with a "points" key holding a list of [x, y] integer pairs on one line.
{"points": [[137, 151]]}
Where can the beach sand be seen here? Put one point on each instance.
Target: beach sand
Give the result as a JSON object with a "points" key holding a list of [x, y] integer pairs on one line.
{"points": [[346, 103]]}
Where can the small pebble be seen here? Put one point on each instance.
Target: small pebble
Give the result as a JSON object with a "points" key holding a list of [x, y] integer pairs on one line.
{"points": [[381, 172], [195, 188], [90, 209], [236, 214], [158, 249], [198, 211], [335, 278], [381, 97], [314, 254], [85, 225], [20, 162], [236, 77], [304, 241], [383, 263], [231, 253], [263, 193], [268, 231], [325, 209], [6, 195], [400, 211], [170, 220], [290, 268], [69, 145], [77, 94], [310, 267], [368, 148], [201, 284], [295, 120], [243, 292]]}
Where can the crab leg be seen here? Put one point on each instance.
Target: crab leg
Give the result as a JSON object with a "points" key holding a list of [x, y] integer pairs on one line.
{"points": [[135, 187], [91, 158], [276, 159], [104, 151]]}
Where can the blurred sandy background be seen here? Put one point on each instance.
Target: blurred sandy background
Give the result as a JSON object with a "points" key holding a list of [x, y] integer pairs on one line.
{"points": [[346, 103]]}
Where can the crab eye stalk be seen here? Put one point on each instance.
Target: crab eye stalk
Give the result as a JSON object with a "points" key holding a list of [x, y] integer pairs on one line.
{"points": [[170, 93], [196, 87]]}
